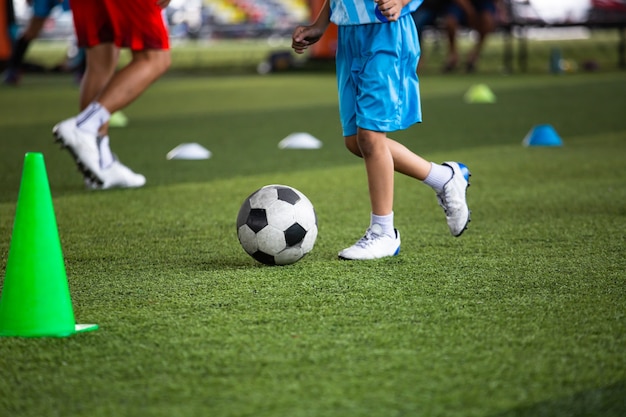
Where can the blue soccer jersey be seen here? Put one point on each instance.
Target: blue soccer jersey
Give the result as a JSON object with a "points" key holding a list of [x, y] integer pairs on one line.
{"points": [[359, 12]]}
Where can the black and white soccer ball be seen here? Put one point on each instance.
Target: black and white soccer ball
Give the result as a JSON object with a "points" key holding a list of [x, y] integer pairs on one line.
{"points": [[277, 225]]}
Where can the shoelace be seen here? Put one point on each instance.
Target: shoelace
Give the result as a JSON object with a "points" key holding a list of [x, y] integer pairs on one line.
{"points": [[442, 201], [367, 239], [441, 196]]}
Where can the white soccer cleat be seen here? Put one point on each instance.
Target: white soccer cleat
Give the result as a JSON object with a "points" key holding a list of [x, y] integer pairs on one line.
{"points": [[374, 245], [453, 198], [85, 150], [82, 146], [117, 175]]}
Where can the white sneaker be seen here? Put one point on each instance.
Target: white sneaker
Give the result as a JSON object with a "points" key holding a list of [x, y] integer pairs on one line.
{"points": [[82, 146], [117, 175], [453, 198], [375, 244]]}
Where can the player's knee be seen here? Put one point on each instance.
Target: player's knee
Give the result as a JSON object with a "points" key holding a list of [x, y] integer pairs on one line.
{"points": [[160, 61], [157, 60], [34, 28], [368, 143], [165, 60], [487, 23], [352, 145]]}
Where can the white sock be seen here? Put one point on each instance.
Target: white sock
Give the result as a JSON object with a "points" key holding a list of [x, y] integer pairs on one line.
{"points": [[438, 176], [92, 118], [106, 156], [386, 222]]}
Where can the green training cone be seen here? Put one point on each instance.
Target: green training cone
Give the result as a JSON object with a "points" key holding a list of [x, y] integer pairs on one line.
{"points": [[35, 299], [479, 93]]}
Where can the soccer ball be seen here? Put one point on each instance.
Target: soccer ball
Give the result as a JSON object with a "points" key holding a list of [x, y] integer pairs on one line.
{"points": [[277, 225]]}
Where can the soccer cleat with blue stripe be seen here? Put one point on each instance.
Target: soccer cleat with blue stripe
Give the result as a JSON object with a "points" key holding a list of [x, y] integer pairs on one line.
{"points": [[453, 198], [373, 245]]}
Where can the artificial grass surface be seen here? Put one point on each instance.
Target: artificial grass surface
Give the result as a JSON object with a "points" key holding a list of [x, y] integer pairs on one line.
{"points": [[521, 316]]}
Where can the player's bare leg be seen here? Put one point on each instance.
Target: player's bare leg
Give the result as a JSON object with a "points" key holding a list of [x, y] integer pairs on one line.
{"points": [[452, 26], [101, 64], [381, 239], [379, 165], [486, 25], [132, 80], [449, 180], [404, 160]]}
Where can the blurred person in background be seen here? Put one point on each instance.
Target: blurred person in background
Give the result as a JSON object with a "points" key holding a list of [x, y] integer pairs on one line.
{"points": [[7, 26], [102, 28], [478, 15], [41, 11], [428, 14]]}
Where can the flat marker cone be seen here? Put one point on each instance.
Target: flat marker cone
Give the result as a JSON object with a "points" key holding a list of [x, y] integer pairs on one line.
{"points": [[479, 93], [35, 299], [542, 135]]}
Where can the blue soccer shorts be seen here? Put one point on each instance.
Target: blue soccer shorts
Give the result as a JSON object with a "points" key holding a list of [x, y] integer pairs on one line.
{"points": [[377, 76]]}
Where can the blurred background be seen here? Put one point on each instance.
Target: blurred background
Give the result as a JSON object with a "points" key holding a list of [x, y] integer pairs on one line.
{"points": [[255, 35], [218, 19], [202, 19]]}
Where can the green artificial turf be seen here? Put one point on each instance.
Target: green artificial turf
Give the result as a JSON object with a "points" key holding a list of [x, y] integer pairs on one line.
{"points": [[524, 315]]}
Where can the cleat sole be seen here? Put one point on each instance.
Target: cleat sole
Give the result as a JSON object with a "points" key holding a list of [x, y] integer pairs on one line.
{"points": [[88, 174]]}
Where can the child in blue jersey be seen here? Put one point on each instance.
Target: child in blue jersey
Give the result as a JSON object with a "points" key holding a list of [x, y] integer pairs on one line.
{"points": [[376, 61]]}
